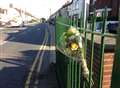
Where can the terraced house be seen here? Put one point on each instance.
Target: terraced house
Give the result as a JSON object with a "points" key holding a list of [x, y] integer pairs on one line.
{"points": [[112, 5], [14, 16], [113, 10]]}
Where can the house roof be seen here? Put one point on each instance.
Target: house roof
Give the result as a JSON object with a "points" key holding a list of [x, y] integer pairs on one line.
{"points": [[65, 5], [19, 10], [27, 13], [2, 10]]}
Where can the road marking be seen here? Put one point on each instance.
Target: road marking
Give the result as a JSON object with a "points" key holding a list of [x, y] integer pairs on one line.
{"points": [[52, 47], [39, 68], [40, 62], [38, 29], [2, 43], [11, 38], [34, 64], [15, 31], [2, 28], [47, 47]]}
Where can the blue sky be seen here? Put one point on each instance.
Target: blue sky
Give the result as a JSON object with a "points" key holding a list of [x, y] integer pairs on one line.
{"points": [[39, 8]]}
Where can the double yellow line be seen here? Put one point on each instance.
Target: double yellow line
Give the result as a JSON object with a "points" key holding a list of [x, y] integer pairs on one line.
{"points": [[27, 83], [40, 64]]}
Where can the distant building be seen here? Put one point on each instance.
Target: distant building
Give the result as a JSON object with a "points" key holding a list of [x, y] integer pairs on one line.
{"points": [[14, 16], [3, 11], [3, 16], [76, 8], [112, 5], [113, 13], [79, 8], [73, 9]]}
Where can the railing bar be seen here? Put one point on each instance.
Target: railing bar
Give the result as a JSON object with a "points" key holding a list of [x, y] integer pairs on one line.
{"points": [[102, 49], [85, 49], [68, 74], [76, 74], [84, 84], [105, 34], [89, 31], [77, 23], [71, 73], [74, 21], [65, 54], [92, 48], [79, 75], [72, 81], [115, 74]]}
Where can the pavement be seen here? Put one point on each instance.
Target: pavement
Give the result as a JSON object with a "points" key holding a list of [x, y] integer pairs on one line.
{"points": [[20, 49]]}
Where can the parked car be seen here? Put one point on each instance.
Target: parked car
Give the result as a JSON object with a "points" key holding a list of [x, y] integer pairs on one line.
{"points": [[98, 26], [112, 26], [52, 21]]}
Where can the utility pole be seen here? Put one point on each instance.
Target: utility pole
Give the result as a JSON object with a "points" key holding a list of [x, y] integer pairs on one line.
{"points": [[50, 11], [25, 17]]}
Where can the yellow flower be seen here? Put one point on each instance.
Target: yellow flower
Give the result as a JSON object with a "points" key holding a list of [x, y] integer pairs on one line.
{"points": [[74, 46]]}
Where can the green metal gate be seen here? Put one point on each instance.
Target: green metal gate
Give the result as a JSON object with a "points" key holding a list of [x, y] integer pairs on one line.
{"points": [[69, 71], [116, 67]]}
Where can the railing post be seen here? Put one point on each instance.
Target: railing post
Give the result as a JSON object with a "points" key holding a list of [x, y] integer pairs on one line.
{"points": [[115, 83], [102, 48], [92, 47]]}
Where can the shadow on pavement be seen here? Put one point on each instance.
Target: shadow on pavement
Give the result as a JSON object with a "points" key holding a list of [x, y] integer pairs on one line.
{"points": [[47, 75], [31, 35], [14, 71]]}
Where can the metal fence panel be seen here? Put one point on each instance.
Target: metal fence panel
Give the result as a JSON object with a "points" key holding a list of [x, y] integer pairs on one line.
{"points": [[69, 69]]}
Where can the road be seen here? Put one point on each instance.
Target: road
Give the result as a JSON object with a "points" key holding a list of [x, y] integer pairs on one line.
{"points": [[26, 56]]}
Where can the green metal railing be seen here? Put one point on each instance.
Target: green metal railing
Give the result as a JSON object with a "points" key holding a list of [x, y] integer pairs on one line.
{"points": [[116, 67], [69, 70]]}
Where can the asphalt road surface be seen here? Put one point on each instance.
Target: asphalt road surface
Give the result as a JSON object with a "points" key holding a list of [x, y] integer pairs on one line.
{"points": [[26, 57]]}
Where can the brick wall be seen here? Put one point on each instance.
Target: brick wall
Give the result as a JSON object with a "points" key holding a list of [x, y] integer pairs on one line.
{"points": [[108, 63], [114, 4]]}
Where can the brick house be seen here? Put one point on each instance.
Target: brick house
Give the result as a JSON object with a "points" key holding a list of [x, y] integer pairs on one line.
{"points": [[111, 4]]}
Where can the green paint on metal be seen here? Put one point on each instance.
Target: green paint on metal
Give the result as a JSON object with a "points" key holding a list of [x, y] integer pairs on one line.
{"points": [[92, 48], [102, 48], [72, 73], [79, 76], [116, 66], [69, 68]]}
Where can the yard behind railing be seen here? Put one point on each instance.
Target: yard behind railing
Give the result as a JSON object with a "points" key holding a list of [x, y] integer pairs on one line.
{"points": [[69, 71]]}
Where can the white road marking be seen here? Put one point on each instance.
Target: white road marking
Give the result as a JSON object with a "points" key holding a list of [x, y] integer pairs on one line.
{"points": [[53, 48], [47, 47], [27, 83], [3, 42], [38, 29], [11, 38], [2, 28], [40, 63]]}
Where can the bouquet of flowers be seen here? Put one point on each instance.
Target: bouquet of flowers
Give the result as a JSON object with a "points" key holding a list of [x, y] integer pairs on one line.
{"points": [[72, 45]]}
